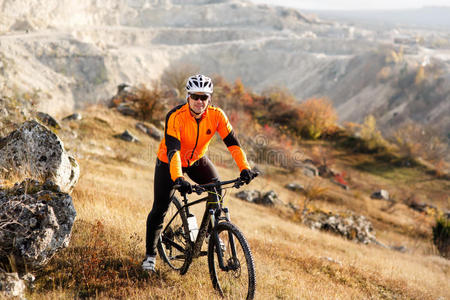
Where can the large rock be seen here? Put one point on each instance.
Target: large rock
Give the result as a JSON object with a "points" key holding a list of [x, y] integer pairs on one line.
{"points": [[349, 225], [11, 286], [36, 221], [35, 151], [380, 195], [150, 130], [127, 136], [269, 198], [295, 187], [249, 195]]}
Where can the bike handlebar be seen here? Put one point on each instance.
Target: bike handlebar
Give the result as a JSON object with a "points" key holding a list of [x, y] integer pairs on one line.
{"points": [[201, 188]]}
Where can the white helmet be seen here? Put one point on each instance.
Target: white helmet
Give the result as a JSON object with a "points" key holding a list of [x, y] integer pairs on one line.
{"points": [[199, 83]]}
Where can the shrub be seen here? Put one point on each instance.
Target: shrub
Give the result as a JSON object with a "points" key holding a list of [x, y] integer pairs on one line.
{"points": [[149, 103], [364, 138], [372, 137], [316, 118], [441, 236], [415, 140]]}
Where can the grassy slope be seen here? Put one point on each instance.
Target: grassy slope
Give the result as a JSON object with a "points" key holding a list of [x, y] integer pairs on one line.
{"points": [[114, 196]]}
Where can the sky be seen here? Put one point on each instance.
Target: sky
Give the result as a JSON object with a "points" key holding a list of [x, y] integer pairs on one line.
{"points": [[356, 4]]}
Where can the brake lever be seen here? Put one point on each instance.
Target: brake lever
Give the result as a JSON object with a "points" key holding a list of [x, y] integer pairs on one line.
{"points": [[198, 190], [238, 183]]}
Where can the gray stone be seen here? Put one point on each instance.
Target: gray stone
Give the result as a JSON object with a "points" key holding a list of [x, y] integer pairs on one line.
{"points": [[11, 286], [381, 195], [296, 187], [36, 221], [310, 170], [249, 195], [127, 136], [349, 225], [48, 120], [270, 198], [150, 130], [402, 249], [35, 151], [126, 110], [73, 117]]}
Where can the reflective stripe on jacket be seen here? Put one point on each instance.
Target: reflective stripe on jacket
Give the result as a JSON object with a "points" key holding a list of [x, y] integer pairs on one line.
{"points": [[186, 139]]}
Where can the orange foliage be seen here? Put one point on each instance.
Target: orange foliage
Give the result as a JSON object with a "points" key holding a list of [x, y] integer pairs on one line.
{"points": [[317, 117]]}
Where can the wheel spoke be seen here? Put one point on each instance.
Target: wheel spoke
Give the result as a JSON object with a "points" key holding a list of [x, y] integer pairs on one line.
{"points": [[237, 279], [173, 242]]}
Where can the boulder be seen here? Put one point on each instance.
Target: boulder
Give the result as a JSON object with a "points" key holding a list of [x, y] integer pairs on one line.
{"points": [[127, 110], [127, 136], [150, 130], [36, 221], [11, 286], [270, 199], [249, 195], [310, 170], [48, 120], [349, 225], [380, 195], [73, 117], [35, 151], [296, 187]]}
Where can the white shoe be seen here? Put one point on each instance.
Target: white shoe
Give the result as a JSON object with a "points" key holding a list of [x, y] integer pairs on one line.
{"points": [[149, 263]]}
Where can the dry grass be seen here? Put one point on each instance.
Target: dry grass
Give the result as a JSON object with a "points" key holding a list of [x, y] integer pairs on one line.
{"points": [[113, 198]]}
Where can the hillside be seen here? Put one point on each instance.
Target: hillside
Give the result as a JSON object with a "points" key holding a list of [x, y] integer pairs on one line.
{"points": [[114, 195], [80, 51]]}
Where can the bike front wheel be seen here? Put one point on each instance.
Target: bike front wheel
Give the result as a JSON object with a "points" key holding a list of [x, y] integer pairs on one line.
{"points": [[236, 280], [174, 244]]}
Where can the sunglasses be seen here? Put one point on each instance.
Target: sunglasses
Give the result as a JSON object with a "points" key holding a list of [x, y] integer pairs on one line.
{"points": [[199, 97]]}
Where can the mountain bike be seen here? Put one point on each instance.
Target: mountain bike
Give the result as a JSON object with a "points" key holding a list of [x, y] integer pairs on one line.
{"points": [[230, 260]]}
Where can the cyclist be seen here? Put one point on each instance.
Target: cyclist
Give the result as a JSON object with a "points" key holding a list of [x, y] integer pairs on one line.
{"points": [[188, 130]]}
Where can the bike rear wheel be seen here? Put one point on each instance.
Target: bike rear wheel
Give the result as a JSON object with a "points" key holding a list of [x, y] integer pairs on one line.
{"points": [[174, 244], [237, 279]]}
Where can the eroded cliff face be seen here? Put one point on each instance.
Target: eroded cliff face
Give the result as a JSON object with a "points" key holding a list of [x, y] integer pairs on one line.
{"points": [[70, 52]]}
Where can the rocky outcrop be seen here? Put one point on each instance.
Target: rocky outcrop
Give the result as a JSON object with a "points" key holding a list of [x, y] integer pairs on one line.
{"points": [[73, 117], [380, 195], [349, 225], [11, 285], [48, 120], [150, 130], [35, 151], [269, 198], [127, 136], [295, 187], [35, 221]]}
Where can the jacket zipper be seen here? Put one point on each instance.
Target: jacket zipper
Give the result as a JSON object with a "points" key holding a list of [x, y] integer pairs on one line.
{"points": [[196, 142]]}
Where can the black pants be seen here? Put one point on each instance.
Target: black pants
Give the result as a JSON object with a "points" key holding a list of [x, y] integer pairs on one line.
{"points": [[201, 172]]}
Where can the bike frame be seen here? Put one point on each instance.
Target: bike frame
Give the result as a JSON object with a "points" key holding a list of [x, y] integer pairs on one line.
{"points": [[212, 217]]}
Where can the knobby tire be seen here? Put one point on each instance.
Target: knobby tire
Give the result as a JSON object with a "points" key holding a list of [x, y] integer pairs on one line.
{"points": [[174, 244], [240, 282]]}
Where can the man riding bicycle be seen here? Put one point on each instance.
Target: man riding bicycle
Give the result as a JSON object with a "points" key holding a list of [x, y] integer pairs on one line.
{"points": [[188, 131]]}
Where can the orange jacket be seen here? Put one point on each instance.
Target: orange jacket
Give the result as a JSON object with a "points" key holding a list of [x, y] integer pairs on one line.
{"points": [[186, 139]]}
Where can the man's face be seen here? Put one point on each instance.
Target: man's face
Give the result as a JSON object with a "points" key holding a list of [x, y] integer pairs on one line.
{"points": [[198, 102]]}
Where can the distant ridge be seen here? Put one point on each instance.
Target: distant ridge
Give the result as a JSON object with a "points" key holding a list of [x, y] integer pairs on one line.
{"points": [[435, 17]]}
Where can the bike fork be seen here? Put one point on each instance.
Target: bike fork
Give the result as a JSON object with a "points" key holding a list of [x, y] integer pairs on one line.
{"points": [[215, 240]]}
